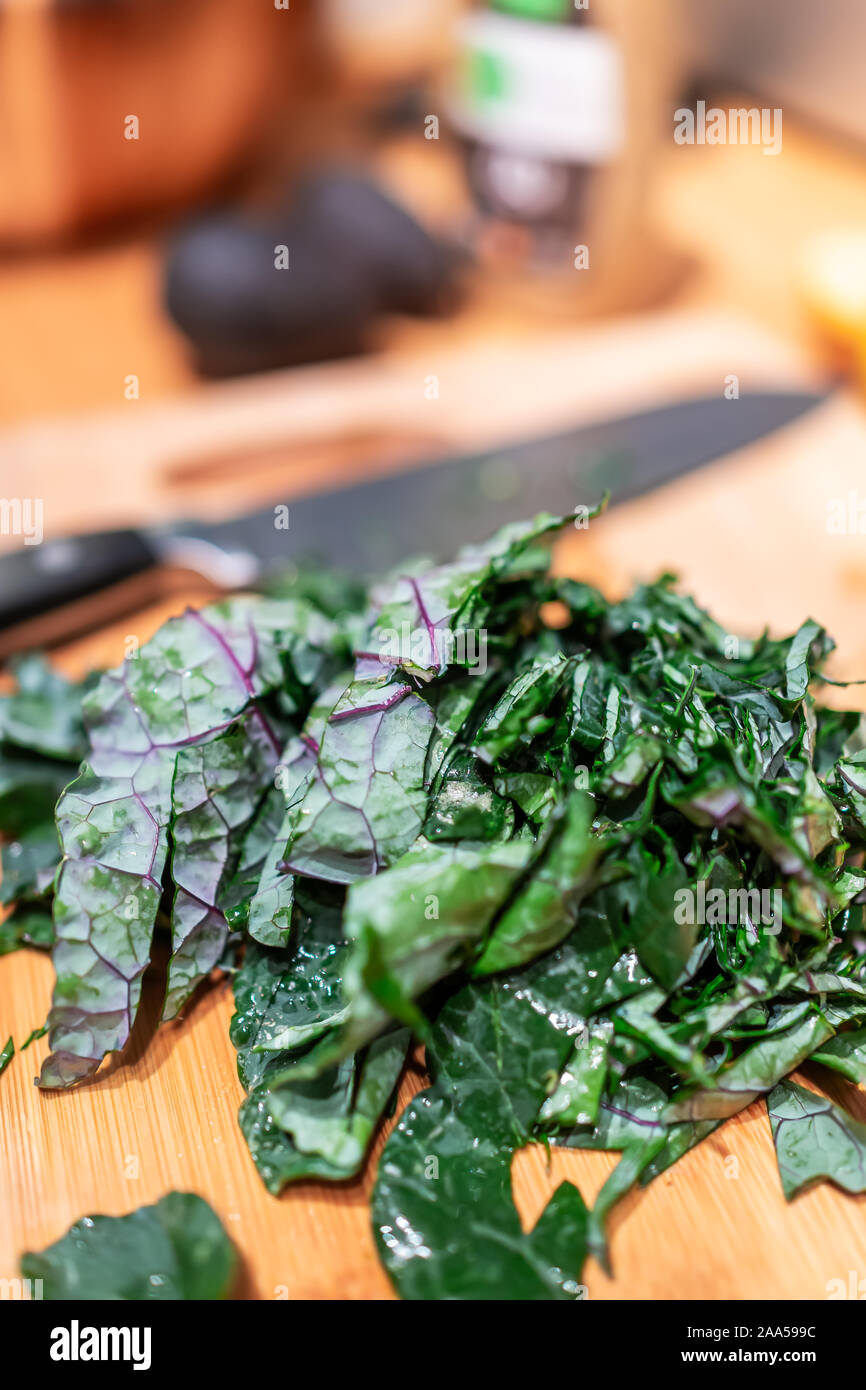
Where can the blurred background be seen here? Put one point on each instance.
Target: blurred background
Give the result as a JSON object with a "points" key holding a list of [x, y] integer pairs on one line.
{"points": [[251, 250]]}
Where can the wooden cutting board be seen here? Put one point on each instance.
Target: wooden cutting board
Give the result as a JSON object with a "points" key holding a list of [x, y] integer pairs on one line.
{"points": [[750, 539]]}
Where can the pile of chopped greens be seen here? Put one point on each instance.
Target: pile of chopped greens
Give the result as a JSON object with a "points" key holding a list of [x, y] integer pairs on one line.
{"points": [[603, 859]]}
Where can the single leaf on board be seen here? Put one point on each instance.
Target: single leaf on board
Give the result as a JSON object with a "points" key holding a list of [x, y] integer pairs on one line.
{"points": [[815, 1139], [176, 1249]]}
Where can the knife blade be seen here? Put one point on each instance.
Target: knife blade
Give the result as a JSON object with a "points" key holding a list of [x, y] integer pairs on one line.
{"points": [[430, 509]]}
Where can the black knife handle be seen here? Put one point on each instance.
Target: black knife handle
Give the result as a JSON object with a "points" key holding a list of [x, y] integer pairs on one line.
{"points": [[38, 578]]}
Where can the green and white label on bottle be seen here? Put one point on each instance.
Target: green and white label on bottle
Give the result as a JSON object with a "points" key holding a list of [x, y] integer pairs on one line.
{"points": [[543, 91], [538, 9]]}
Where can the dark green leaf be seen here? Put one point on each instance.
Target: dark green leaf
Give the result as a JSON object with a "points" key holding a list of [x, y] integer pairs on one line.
{"points": [[491, 1053], [546, 909], [815, 1139], [176, 1249], [846, 1053], [26, 928], [754, 1072], [44, 714], [419, 922]]}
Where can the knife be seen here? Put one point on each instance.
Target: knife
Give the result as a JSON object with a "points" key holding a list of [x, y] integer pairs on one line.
{"points": [[431, 509]]}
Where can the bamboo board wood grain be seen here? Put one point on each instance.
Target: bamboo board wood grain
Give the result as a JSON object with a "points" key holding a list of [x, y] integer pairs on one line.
{"points": [[750, 538]]}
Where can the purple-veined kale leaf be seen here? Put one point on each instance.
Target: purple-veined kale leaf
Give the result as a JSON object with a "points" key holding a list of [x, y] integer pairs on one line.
{"points": [[190, 684]]}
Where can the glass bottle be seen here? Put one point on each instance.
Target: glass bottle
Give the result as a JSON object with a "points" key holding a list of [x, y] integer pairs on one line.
{"points": [[559, 106]]}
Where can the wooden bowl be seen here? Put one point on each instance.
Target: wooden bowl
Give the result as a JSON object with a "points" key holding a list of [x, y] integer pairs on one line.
{"points": [[202, 77]]}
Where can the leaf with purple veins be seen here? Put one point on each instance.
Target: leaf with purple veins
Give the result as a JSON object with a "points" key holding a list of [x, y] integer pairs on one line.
{"points": [[422, 609], [269, 912], [367, 801], [216, 792], [190, 683]]}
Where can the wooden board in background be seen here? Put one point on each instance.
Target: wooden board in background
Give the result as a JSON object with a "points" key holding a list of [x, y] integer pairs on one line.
{"points": [[224, 449]]}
